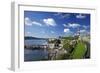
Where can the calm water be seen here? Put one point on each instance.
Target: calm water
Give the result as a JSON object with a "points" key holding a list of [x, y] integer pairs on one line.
{"points": [[35, 55], [35, 42]]}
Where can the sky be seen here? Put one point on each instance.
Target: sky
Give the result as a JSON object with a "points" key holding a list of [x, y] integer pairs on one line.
{"points": [[54, 24]]}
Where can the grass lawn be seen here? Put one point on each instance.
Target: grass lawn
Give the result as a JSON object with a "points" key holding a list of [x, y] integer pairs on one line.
{"points": [[79, 51]]}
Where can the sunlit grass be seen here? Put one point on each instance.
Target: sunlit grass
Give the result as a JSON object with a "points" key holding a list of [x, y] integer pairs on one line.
{"points": [[79, 51]]}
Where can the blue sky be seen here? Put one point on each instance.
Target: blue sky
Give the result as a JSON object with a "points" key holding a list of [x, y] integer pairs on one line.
{"points": [[55, 24]]}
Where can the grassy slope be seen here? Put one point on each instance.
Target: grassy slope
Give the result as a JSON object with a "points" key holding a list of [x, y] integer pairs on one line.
{"points": [[79, 51]]}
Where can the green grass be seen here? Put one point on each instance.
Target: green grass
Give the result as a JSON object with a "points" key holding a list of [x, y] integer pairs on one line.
{"points": [[68, 38], [79, 51]]}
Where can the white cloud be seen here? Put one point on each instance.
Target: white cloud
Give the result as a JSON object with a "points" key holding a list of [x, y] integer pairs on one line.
{"points": [[73, 25], [29, 22], [65, 16], [36, 23], [65, 25], [49, 22], [80, 16], [82, 31], [67, 30], [62, 15], [84, 26]]}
